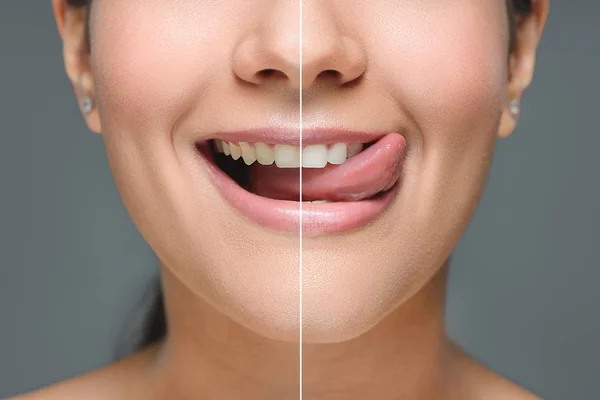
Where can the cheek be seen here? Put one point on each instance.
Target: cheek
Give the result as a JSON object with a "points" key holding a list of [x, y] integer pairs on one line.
{"points": [[152, 59], [448, 65]]}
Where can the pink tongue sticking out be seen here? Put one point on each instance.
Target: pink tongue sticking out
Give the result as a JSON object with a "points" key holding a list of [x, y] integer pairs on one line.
{"points": [[374, 170]]}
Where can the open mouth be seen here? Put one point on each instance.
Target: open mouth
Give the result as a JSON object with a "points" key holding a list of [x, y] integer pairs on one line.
{"points": [[344, 184], [273, 170]]}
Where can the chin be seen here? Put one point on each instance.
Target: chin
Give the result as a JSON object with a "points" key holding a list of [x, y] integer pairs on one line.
{"points": [[320, 325], [319, 329], [340, 312]]}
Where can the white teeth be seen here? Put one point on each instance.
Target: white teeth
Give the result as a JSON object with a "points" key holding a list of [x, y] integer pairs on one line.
{"points": [[319, 202], [354, 149], [314, 156], [236, 152], [264, 153], [248, 153], [287, 156], [337, 153], [226, 149]]}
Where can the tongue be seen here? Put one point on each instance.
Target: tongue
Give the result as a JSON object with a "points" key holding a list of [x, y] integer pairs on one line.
{"points": [[372, 171]]}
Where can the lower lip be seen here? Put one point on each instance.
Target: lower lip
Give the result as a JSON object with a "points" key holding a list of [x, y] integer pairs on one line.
{"points": [[285, 215]]}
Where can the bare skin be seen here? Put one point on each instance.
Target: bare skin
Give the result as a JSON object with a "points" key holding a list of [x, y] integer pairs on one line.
{"points": [[373, 300], [408, 364]]}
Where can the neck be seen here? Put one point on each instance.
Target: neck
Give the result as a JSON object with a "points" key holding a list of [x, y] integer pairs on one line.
{"points": [[207, 355]]}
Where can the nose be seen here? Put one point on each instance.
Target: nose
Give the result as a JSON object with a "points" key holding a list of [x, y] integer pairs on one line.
{"points": [[282, 52]]}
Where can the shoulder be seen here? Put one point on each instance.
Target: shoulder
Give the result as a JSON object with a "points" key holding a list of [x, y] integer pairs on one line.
{"points": [[122, 380], [477, 382]]}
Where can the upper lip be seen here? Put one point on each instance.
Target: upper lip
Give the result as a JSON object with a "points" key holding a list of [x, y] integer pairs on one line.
{"points": [[291, 136]]}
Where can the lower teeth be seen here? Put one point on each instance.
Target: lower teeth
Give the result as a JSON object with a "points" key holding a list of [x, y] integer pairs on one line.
{"points": [[318, 202]]}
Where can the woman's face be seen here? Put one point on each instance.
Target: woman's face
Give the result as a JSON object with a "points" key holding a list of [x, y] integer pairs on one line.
{"points": [[168, 75]]}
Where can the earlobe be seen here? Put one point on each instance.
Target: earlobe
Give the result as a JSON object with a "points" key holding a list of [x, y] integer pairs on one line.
{"points": [[90, 111], [84, 91], [508, 122]]}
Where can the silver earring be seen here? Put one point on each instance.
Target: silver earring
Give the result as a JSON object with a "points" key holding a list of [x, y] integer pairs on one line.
{"points": [[87, 105], [515, 108]]}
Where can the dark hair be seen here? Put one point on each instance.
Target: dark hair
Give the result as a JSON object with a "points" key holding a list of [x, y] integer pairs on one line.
{"points": [[153, 325], [521, 7]]}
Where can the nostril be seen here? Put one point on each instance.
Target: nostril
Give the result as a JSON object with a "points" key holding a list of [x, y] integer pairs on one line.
{"points": [[330, 72], [270, 73]]}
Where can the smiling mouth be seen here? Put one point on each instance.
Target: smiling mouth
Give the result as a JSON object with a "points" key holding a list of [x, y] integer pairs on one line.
{"points": [[345, 184], [272, 171]]}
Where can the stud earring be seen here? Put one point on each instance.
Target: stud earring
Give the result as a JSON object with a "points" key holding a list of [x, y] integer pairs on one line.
{"points": [[87, 105], [515, 108]]}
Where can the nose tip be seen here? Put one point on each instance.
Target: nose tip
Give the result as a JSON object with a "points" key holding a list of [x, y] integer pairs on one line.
{"points": [[283, 55]]}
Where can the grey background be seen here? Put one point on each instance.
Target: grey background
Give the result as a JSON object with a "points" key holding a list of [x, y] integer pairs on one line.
{"points": [[523, 294]]}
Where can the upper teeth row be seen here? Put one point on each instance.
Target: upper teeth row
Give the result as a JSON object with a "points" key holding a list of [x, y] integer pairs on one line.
{"points": [[287, 156]]}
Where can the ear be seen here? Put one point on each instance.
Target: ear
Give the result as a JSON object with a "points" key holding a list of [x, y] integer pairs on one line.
{"points": [[71, 22], [528, 31]]}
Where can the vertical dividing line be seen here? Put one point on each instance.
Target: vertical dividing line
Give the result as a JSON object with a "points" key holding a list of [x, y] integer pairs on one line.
{"points": [[301, 216]]}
